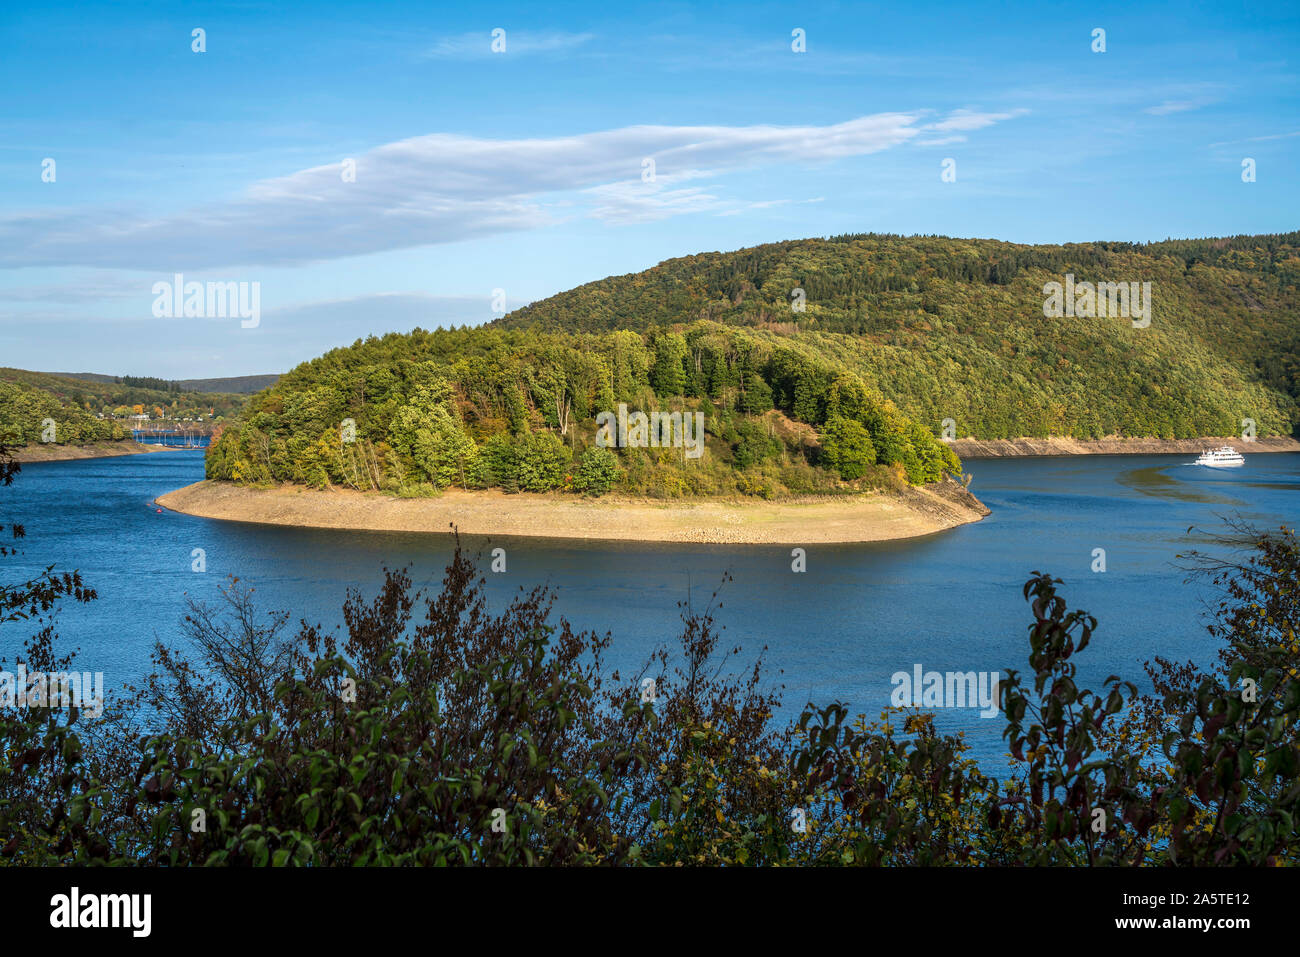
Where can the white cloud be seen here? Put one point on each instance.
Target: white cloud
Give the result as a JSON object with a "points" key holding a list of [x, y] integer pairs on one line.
{"points": [[942, 141], [960, 122], [88, 288], [1258, 139], [967, 120], [520, 43], [1175, 106], [444, 188], [638, 201]]}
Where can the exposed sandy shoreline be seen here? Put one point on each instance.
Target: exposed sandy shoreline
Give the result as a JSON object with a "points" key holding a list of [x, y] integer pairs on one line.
{"points": [[95, 450], [1009, 448], [865, 518]]}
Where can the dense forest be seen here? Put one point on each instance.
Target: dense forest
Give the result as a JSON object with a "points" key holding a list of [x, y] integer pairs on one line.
{"points": [[954, 328], [517, 409], [25, 412], [85, 410]]}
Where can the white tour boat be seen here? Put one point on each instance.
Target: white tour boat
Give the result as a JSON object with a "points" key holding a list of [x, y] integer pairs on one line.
{"points": [[1221, 458]]}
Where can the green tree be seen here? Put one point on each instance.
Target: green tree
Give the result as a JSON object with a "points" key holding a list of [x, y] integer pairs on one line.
{"points": [[430, 432], [597, 471], [754, 445], [757, 397], [542, 461], [846, 447], [668, 376]]}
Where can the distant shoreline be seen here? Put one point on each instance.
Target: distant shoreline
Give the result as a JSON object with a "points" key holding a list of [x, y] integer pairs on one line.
{"points": [[1014, 448], [94, 450], [850, 519]]}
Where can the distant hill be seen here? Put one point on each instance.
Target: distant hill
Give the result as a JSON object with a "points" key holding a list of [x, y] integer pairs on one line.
{"points": [[237, 385], [954, 328], [240, 384], [88, 376], [30, 415], [89, 407]]}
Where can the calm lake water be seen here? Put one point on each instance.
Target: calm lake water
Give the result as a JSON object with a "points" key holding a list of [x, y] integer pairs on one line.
{"points": [[860, 613]]}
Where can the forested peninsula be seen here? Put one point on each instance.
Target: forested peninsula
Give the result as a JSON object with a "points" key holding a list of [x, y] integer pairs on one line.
{"points": [[813, 368]]}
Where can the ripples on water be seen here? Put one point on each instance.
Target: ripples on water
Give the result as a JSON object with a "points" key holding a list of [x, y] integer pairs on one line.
{"points": [[950, 601]]}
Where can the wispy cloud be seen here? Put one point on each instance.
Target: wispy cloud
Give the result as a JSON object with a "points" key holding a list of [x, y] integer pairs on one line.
{"points": [[960, 122], [445, 188], [81, 289], [967, 120], [1176, 106], [682, 51], [639, 201], [1258, 139], [769, 204], [468, 46]]}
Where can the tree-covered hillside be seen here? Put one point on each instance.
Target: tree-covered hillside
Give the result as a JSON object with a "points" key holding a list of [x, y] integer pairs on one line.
{"points": [[119, 396], [954, 328], [27, 412], [97, 410], [517, 409], [818, 365]]}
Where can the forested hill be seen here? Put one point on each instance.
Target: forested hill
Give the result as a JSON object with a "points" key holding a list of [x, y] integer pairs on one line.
{"points": [[520, 409], [230, 385], [954, 328], [895, 336], [98, 409]]}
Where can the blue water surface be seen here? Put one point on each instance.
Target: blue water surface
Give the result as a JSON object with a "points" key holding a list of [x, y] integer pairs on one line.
{"points": [[949, 602]]}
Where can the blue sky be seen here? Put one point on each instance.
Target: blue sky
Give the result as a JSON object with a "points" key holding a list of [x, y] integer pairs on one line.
{"points": [[522, 170]]}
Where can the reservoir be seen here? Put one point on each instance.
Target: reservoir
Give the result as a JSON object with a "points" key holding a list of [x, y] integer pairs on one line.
{"points": [[856, 616]]}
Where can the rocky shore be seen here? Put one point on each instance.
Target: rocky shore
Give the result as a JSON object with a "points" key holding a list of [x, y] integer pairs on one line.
{"points": [[1010, 448], [859, 518], [51, 452]]}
